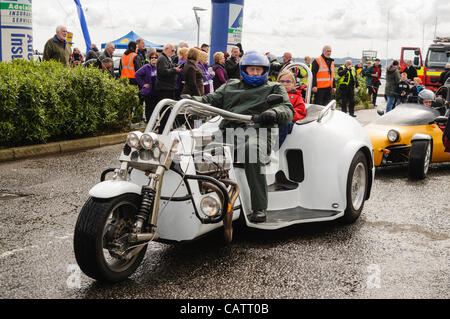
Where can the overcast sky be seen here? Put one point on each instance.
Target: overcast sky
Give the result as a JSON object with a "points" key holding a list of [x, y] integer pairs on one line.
{"points": [[301, 27]]}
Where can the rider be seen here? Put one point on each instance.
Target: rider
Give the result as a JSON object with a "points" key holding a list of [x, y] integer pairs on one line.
{"points": [[426, 97], [248, 96]]}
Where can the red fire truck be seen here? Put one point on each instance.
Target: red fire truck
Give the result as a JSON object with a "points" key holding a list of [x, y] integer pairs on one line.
{"points": [[438, 56]]}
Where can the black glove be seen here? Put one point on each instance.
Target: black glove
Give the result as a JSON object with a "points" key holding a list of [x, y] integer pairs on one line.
{"points": [[186, 96], [267, 117]]}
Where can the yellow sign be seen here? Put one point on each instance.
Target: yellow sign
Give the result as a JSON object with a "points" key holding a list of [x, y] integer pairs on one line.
{"points": [[69, 37]]}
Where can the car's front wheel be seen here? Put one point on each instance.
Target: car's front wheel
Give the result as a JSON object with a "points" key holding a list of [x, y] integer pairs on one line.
{"points": [[357, 183], [419, 159]]}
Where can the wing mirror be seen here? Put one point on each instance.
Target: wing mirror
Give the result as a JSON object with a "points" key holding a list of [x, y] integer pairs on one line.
{"points": [[274, 99]]}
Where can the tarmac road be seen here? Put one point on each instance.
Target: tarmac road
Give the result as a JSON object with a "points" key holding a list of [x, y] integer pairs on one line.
{"points": [[399, 248]]}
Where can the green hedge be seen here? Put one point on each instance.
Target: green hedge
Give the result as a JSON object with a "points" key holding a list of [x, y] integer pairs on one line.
{"points": [[44, 101]]}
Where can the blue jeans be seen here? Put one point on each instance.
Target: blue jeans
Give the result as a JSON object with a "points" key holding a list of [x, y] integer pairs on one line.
{"points": [[390, 103], [284, 130]]}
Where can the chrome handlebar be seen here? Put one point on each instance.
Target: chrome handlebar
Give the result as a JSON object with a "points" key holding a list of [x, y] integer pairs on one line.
{"points": [[330, 106], [196, 107]]}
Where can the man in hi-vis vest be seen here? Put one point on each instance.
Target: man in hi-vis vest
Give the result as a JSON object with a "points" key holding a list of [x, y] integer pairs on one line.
{"points": [[348, 82], [323, 77], [129, 64]]}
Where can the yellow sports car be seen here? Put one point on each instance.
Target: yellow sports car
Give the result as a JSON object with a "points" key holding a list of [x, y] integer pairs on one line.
{"points": [[409, 134]]}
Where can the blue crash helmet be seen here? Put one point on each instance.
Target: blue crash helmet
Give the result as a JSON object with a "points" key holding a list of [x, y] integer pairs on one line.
{"points": [[253, 58]]}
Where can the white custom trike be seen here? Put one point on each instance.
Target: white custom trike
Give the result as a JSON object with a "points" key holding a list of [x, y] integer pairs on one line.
{"points": [[323, 171]]}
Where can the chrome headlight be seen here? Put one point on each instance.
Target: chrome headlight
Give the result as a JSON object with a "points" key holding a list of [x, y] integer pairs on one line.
{"points": [[147, 141], [209, 206], [133, 139], [393, 136]]}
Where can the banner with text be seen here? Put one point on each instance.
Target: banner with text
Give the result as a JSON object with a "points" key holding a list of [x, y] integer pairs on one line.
{"points": [[16, 30]]}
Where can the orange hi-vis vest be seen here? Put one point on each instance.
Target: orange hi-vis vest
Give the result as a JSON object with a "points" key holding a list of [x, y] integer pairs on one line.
{"points": [[128, 66], [324, 79]]}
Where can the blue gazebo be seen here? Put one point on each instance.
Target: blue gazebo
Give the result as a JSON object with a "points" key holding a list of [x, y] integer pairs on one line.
{"points": [[122, 43]]}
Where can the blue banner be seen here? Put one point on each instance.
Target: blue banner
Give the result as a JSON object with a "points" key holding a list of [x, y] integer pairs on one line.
{"points": [[226, 25], [84, 27]]}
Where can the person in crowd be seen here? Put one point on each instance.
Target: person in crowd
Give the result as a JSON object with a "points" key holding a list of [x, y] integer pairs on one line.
{"points": [[57, 47], [415, 90], [105, 65], [175, 56], [166, 77], [130, 63], [182, 54], [374, 72], [307, 60], [287, 79], [205, 47], [193, 75], [392, 79], [93, 53], [359, 67], [232, 64], [402, 89], [108, 52], [254, 68], [220, 74], [76, 58], [287, 59], [146, 79], [208, 74], [323, 77], [166, 73], [303, 74], [241, 51], [445, 74], [410, 70], [275, 66], [365, 73], [141, 50], [348, 82], [446, 136]]}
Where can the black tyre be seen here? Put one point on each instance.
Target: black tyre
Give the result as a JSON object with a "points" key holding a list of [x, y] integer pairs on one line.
{"points": [[419, 159], [357, 183], [93, 224]]}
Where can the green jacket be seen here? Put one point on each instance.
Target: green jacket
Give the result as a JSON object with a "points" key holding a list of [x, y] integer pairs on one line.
{"points": [[238, 97], [56, 50], [392, 79]]}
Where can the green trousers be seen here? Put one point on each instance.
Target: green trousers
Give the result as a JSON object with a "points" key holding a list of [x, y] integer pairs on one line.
{"points": [[257, 150]]}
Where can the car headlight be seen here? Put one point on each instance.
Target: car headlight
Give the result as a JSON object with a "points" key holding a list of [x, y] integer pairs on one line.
{"points": [[147, 140], [393, 136], [133, 139], [209, 206]]}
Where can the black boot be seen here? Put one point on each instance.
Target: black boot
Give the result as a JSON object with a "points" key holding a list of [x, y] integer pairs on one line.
{"points": [[258, 216]]}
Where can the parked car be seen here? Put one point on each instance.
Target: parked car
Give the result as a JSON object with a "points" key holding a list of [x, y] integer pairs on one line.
{"points": [[410, 134]]}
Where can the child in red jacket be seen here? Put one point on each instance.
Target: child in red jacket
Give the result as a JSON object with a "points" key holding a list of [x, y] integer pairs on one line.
{"points": [[287, 79]]}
